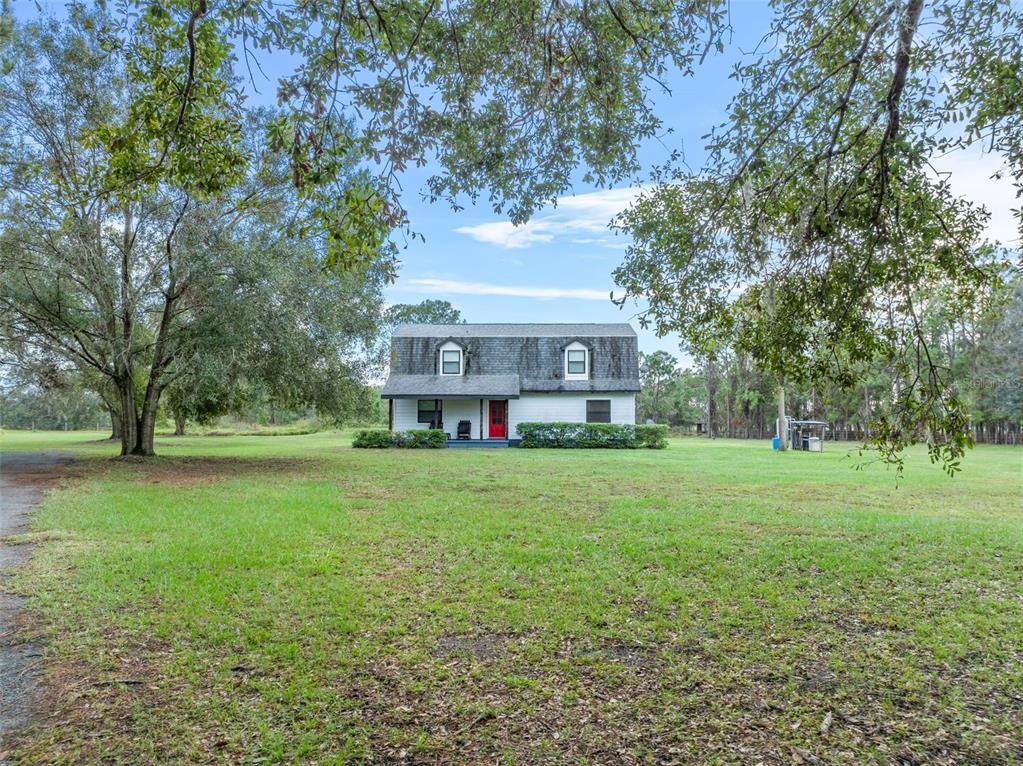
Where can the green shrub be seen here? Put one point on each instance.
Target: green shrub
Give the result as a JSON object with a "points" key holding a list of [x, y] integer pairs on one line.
{"points": [[373, 438], [577, 435], [652, 437], [542, 434], [426, 438]]}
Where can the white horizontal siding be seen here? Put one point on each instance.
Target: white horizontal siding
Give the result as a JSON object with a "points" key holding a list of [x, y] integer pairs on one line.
{"points": [[566, 408], [405, 411]]}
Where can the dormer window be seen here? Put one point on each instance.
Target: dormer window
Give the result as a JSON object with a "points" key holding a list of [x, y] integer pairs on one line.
{"points": [[452, 362], [451, 359], [577, 361]]}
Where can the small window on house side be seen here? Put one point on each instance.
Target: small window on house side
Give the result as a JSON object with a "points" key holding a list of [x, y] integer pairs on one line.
{"points": [[598, 410], [451, 362], [576, 362]]}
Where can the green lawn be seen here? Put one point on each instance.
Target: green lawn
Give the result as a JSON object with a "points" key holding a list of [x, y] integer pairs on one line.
{"points": [[290, 600]]}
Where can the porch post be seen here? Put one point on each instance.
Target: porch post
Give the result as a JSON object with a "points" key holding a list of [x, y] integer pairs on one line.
{"points": [[481, 419], [390, 414]]}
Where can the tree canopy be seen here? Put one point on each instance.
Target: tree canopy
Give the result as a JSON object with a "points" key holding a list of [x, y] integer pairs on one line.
{"points": [[427, 312], [818, 229], [132, 166], [146, 275], [505, 100], [812, 241]]}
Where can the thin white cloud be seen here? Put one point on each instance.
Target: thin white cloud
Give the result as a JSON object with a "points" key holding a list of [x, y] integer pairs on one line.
{"points": [[506, 234], [579, 214], [607, 242], [603, 205], [452, 286]]}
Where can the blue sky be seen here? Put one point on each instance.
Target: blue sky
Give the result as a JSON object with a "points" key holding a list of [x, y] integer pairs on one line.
{"points": [[557, 267]]}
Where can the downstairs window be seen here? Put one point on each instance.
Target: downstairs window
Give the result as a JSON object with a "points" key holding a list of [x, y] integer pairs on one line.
{"points": [[429, 411], [598, 410]]}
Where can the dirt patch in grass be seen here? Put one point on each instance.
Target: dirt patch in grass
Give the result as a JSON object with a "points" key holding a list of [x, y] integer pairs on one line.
{"points": [[366, 490], [38, 470], [630, 654], [591, 700], [521, 713], [866, 624], [482, 647], [109, 696]]}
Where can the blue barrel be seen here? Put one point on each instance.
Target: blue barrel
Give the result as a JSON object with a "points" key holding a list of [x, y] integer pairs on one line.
{"points": [[774, 443]]}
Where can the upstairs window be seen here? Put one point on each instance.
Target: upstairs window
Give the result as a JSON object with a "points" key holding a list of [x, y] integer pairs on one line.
{"points": [[598, 410], [452, 359], [451, 362], [576, 362]]}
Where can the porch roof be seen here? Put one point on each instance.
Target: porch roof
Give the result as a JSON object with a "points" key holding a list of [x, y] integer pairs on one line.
{"points": [[451, 387]]}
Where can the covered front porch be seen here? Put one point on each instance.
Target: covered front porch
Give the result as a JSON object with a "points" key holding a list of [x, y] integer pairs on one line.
{"points": [[467, 408], [463, 420]]}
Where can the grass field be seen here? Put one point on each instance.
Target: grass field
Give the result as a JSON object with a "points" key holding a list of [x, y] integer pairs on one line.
{"points": [[291, 600]]}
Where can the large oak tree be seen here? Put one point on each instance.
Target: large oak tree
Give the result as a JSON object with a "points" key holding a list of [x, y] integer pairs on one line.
{"points": [[146, 283]]}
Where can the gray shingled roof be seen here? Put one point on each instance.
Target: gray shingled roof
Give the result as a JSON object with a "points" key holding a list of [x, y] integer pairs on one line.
{"points": [[451, 387], [618, 329], [602, 385]]}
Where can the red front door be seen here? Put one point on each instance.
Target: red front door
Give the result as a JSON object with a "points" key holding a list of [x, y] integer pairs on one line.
{"points": [[498, 419]]}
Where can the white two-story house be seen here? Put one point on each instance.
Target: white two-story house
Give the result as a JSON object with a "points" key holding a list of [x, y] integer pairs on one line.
{"points": [[479, 381]]}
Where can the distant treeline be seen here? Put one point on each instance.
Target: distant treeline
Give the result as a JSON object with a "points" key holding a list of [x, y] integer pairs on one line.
{"points": [[728, 396]]}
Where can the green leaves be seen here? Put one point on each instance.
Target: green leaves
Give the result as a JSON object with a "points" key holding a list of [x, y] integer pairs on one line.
{"points": [[146, 221], [505, 100], [183, 121], [818, 230], [6, 37]]}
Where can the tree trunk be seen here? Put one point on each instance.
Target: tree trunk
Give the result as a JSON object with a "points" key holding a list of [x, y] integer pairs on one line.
{"points": [[144, 434], [712, 405], [147, 421], [866, 410], [783, 431], [129, 421], [115, 424], [179, 424]]}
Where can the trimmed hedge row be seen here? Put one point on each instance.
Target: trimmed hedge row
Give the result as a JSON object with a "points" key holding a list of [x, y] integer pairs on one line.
{"points": [[563, 435], [593, 435], [380, 438], [425, 438]]}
